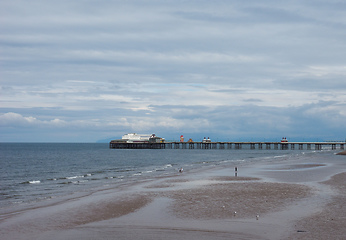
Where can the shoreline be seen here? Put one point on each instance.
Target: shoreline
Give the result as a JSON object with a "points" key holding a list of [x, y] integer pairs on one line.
{"points": [[291, 199]]}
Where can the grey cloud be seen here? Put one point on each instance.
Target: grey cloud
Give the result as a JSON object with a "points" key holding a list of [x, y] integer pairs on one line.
{"points": [[232, 68], [252, 100]]}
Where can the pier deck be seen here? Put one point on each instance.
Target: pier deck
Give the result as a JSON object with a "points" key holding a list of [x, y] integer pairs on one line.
{"points": [[229, 145]]}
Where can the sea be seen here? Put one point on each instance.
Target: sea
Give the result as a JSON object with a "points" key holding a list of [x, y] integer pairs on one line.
{"points": [[35, 172]]}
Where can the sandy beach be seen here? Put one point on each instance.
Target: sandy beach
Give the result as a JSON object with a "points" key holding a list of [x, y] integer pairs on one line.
{"points": [[342, 153], [296, 198]]}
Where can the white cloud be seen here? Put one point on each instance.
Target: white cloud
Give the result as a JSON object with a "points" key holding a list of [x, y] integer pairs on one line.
{"points": [[321, 71], [174, 57], [12, 119]]}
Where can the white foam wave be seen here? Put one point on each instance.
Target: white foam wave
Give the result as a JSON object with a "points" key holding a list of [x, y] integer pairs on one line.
{"points": [[35, 182], [78, 182], [74, 177]]}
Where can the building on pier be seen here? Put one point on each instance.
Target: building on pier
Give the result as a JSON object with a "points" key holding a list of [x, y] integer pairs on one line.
{"points": [[139, 138], [206, 140]]}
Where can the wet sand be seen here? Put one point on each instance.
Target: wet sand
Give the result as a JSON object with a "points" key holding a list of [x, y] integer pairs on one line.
{"points": [[342, 153], [299, 198], [330, 221]]}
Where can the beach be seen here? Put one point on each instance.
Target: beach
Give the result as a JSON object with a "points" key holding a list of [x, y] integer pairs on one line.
{"points": [[342, 153], [294, 198]]}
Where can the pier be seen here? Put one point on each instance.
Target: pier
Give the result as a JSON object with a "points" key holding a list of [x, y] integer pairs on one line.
{"points": [[229, 145]]}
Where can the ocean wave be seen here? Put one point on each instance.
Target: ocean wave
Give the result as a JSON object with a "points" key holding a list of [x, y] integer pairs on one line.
{"points": [[163, 168], [124, 170], [202, 162], [65, 183], [32, 182], [73, 182], [74, 177], [82, 181]]}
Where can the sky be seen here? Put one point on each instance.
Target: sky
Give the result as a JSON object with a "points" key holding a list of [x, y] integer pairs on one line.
{"points": [[231, 70]]}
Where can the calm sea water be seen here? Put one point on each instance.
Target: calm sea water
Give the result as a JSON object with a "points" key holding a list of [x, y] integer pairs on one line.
{"points": [[37, 171]]}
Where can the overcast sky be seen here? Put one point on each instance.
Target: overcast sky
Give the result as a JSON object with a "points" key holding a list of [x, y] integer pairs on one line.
{"points": [[83, 71]]}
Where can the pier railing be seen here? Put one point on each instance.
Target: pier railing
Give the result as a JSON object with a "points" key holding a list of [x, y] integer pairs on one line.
{"points": [[230, 145]]}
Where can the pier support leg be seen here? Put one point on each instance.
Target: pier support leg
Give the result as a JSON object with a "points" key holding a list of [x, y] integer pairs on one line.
{"points": [[308, 146], [284, 146], [276, 146], [267, 146], [292, 146], [342, 146], [300, 146], [238, 145], [206, 145]]}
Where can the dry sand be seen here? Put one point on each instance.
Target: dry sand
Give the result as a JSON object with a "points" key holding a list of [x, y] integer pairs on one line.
{"points": [[259, 204]]}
